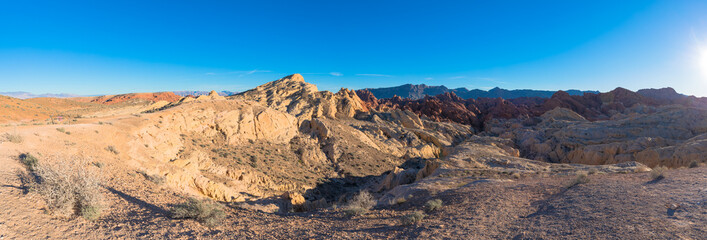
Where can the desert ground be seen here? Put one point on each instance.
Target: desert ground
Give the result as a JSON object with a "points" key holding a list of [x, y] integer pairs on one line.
{"points": [[285, 160]]}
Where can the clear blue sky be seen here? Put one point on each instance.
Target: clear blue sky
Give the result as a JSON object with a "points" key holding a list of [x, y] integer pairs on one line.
{"points": [[97, 47]]}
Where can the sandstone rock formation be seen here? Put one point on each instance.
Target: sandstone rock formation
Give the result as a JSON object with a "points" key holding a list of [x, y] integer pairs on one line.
{"points": [[293, 95]]}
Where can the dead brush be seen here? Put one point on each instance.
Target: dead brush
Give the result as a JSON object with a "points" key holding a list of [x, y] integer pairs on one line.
{"points": [[360, 204], [68, 187]]}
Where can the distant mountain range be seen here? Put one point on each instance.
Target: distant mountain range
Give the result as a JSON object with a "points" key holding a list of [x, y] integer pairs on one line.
{"points": [[199, 93], [421, 90], [26, 95]]}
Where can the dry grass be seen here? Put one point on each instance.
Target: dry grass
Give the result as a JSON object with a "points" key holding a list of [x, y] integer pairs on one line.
{"points": [[580, 178], [68, 187], [433, 205], [658, 173], [207, 213], [413, 218]]}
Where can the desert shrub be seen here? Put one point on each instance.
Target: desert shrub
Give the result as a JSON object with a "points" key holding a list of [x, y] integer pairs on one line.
{"points": [[156, 179], [29, 161], [433, 205], [355, 211], [413, 218], [98, 164], [112, 149], [658, 173], [580, 178], [360, 203], [694, 164], [205, 212], [13, 138], [68, 188], [61, 129]]}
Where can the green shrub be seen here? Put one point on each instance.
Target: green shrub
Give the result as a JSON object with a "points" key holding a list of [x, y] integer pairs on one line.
{"points": [[61, 129], [29, 161], [433, 205], [208, 214]]}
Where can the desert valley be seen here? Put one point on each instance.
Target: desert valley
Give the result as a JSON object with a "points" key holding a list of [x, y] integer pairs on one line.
{"points": [[285, 160]]}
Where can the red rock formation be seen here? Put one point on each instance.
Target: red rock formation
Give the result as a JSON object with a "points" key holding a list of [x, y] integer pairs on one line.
{"points": [[450, 107]]}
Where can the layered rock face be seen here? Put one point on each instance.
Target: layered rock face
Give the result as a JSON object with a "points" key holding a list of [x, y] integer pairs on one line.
{"points": [[293, 95]]}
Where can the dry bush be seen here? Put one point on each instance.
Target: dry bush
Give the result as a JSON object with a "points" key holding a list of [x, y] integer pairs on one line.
{"points": [[658, 173], [69, 188], [413, 218], [205, 212], [61, 129], [433, 205], [13, 138], [360, 204], [580, 178]]}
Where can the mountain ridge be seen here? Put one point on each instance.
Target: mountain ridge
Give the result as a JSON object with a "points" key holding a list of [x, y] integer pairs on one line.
{"points": [[419, 91]]}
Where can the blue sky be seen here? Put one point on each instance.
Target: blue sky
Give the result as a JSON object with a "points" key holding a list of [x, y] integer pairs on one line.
{"points": [[97, 47]]}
